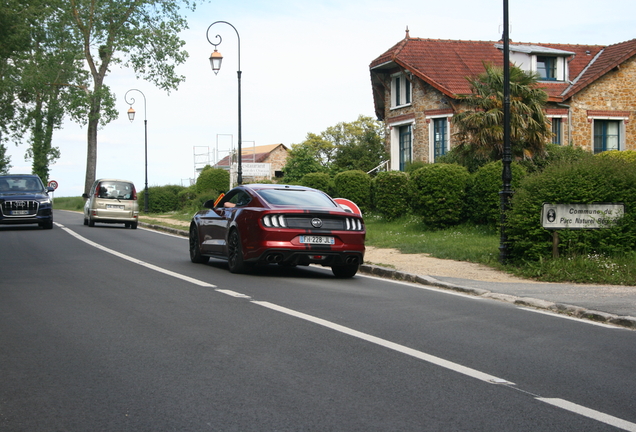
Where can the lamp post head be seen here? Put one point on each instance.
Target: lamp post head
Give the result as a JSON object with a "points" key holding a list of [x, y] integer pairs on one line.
{"points": [[131, 114], [215, 61]]}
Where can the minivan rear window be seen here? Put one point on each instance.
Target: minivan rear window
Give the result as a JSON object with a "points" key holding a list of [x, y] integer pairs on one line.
{"points": [[115, 190]]}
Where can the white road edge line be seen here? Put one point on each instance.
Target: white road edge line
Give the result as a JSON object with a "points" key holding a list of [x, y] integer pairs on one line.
{"points": [[590, 413], [135, 260], [388, 344]]}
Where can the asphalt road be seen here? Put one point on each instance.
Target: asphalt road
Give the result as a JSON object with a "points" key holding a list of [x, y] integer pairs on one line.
{"points": [[112, 329]]}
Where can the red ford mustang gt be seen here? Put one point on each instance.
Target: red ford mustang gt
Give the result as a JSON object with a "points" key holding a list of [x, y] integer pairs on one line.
{"points": [[289, 225]]}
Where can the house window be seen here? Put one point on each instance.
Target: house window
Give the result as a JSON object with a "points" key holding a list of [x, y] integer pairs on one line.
{"points": [[405, 146], [547, 68], [440, 137], [400, 91], [606, 135], [557, 127]]}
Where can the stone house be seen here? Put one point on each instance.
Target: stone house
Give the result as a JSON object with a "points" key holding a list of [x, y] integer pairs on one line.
{"points": [[417, 84], [274, 155]]}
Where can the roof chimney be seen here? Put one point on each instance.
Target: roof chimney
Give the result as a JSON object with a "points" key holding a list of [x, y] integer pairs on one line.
{"points": [[407, 33]]}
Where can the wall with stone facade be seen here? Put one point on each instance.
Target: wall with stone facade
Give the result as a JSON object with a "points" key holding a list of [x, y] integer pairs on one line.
{"points": [[616, 91], [425, 98]]}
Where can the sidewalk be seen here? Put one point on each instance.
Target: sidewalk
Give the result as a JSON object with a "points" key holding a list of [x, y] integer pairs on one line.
{"points": [[603, 303]]}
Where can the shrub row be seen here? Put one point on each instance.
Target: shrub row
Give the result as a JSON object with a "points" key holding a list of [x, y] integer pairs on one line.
{"points": [[444, 195]]}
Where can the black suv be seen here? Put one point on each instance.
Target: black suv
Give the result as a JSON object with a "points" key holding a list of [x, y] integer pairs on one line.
{"points": [[25, 200]]}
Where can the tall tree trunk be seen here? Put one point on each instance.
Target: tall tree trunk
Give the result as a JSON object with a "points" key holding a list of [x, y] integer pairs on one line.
{"points": [[91, 151]]}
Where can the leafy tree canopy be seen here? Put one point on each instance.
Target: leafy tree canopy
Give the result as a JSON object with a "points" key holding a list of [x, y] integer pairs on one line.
{"points": [[358, 145]]}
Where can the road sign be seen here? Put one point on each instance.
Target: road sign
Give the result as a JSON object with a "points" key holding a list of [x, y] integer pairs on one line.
{"points": [[53, 184], [581, 216], [348, 205]]}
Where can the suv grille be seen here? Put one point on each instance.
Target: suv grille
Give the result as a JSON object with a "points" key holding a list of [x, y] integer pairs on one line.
{"points": [[20, 208]]}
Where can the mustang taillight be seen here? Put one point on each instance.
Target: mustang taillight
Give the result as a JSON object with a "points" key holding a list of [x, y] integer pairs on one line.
{"points": [[274, 221], [353, 224]]}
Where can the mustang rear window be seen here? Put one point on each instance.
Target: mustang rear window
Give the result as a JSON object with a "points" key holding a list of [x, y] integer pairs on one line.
{"points": [[296, 198]]}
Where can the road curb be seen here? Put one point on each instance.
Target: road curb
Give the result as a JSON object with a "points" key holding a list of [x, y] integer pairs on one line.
{"points": [[169, 230], [575, 311]]}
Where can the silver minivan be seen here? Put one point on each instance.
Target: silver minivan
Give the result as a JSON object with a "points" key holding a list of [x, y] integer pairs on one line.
{"points": [[112, 201]]}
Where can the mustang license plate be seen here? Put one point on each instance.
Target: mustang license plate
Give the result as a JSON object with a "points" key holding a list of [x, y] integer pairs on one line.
{"points": [[111, 206], [317, 240]]}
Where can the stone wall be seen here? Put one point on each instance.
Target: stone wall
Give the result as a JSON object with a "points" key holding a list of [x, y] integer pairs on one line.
{"points": [[615, 92], [425, 98]]}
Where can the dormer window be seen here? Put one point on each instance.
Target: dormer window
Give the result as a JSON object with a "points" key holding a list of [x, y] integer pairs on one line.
{"points": [[400, 90], [547, 68], [550, 64]]}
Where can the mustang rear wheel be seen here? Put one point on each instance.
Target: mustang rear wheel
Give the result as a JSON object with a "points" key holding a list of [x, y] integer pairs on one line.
{"points": [[235, 254], [345, 271], [195, 252]]}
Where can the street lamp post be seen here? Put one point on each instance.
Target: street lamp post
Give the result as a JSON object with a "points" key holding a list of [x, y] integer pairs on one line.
{"points": [[506, 174], [215, 62], [131, 117]]}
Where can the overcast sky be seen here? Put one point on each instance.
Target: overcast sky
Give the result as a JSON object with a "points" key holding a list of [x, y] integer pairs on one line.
{"points": [[305, 67]]}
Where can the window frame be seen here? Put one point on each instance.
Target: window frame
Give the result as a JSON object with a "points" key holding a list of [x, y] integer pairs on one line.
{"points": [[604, 122], [445, 140], [550, 68], [403, 131], [557, 136], [401, 90]]}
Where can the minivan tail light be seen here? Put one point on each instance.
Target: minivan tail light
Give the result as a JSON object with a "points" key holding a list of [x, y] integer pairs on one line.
{"points": [[97, 190], [134, 197]]}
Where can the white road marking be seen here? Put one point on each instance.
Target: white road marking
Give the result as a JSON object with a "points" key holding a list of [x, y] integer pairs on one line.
{"points": [[590, 413], [232, 293], [390, 345], [135, 260]]}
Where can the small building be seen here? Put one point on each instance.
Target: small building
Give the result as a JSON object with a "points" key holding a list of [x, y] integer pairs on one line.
{"points": [[417, 85], [259, 162]]}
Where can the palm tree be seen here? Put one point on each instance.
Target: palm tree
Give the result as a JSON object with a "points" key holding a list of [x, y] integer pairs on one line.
{"points": [[480, 128]]}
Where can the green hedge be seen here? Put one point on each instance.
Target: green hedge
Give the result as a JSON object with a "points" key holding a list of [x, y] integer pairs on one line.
{"points": [[213, 179], [388, 194], [354, 185], [590, 180], [318, 180], [161, 199], [483, 202], [437, 193]]}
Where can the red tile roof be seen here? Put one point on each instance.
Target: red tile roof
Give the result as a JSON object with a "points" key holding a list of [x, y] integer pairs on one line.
{"points": [[251, 154], [445, 64]]}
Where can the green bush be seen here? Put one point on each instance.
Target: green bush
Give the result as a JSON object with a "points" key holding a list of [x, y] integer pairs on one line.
{"points": [[626, 155], [161, 199], [213, 179], [483, 202], [554, 154], [437, 193], [586, 181], [387, 192], [318, 180], [354, 185]]}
